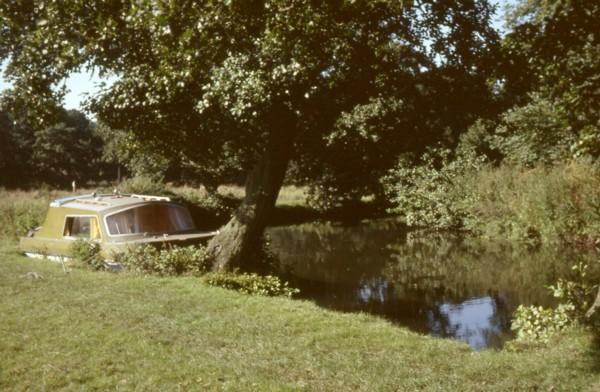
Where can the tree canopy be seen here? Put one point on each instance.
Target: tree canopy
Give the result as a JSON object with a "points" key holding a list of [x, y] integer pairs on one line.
{"points": [[264, 81]]}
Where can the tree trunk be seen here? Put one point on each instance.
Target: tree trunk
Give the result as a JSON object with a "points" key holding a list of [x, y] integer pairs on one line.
{"points": [[237, 240], [595, 306]]}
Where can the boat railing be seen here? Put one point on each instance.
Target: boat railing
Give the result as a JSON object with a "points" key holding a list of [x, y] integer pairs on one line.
{"points": [[96, 198], [65, 200]]}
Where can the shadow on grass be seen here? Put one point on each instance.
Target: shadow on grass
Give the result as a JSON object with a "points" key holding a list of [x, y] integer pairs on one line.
{"points": [[213, 214], [210, 214]]}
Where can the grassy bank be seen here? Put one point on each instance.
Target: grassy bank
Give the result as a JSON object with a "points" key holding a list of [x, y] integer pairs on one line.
{"points": [[93, 330]]}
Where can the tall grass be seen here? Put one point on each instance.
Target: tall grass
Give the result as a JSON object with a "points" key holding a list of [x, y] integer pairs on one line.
{"points": [[22, 210], [552, 204], [558, 203]]}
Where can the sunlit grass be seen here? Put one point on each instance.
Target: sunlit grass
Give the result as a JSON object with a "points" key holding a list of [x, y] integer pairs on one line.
{"points": [[92, 330], [290, 195]]}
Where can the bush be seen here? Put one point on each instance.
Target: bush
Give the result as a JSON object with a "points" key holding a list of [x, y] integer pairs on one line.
{"points": [[170, 260], [536, 325], [578, 291], [252, 284], [193, 260], [142, 185], [535, 134], [220, 207], [87, 253], [588, 142], [431, 194]]}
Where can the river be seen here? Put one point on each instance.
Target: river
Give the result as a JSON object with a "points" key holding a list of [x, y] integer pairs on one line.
{"points": [[443, 285]]}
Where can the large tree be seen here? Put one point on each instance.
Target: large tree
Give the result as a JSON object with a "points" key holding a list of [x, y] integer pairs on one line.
{"points": [[265, 80]]}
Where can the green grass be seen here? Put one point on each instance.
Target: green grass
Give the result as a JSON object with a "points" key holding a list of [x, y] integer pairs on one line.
{"points": [[289, 195], [100, 331]]}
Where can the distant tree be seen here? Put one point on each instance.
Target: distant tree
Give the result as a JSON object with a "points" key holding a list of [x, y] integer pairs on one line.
{"points": [[16, 140], [139, 158], [67, 151], [265, 80], [8, 157], [203, 169], [55, 155]]}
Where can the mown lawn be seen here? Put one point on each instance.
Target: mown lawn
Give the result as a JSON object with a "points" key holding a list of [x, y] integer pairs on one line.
{"points": [[100, 331]]}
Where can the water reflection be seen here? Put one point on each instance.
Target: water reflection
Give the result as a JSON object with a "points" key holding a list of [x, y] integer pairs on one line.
{"points": [[472, 321], [443, 285]]}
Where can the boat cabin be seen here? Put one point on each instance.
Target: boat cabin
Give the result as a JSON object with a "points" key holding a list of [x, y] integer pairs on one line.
{"points": [[117, 222]]}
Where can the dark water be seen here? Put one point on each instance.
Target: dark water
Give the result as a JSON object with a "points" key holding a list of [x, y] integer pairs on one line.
{"points": [[442, 285]]}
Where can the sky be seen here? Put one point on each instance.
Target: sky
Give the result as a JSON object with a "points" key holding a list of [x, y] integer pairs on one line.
{"points": [[82, 83]]}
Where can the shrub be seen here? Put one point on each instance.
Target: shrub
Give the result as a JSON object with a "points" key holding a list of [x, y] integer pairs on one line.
{"points": [[169, 260], [252, 284], [432, 193], [142, 185], [578, 291], [87, 253], [535, 324], [535, 134], [554, 204], [220, 207], [587, 144]]}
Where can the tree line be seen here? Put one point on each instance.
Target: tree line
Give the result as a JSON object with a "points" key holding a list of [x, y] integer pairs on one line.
{"points": [[69, 150]]}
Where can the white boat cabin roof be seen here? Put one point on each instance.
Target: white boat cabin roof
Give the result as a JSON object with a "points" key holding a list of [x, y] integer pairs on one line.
{"points": [[101, 203]]}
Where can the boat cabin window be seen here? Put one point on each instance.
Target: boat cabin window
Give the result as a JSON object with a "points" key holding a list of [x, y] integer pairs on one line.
{"points": [[82, 227], [150, 218]]}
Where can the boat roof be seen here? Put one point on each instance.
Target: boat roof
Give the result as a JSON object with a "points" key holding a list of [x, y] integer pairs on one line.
{"points": [[100, 203]]}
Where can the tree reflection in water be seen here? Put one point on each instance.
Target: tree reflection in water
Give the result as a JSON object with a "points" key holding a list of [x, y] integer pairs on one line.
{"points": [[441, 284]]}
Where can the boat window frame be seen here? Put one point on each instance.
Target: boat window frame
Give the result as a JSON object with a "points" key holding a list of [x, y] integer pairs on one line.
{"points": [[108, 233], [74, 238]]}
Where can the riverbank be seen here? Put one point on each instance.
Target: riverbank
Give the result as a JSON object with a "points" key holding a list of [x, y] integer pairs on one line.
{"points": [[96, 330]]}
